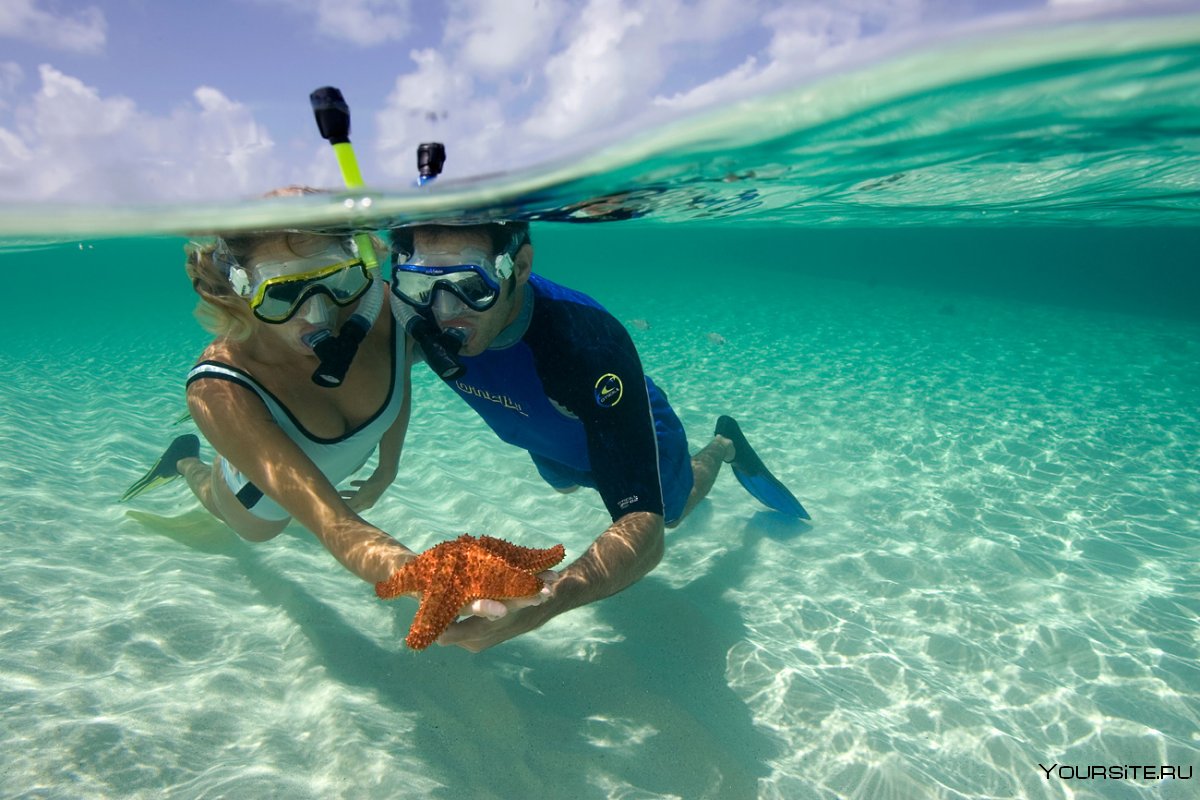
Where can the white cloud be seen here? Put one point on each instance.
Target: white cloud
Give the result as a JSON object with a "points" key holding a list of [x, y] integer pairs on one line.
{"points": [[564, 81], [81, 32], [732, 84], [360, 22], [619, 53], [589, 81], [71, 144], [13, 153], [437, 102], [495, 37], [805, 37], [511, 83]]}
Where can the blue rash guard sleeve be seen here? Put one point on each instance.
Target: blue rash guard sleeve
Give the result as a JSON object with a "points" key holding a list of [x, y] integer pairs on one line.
{"points": [[588, 364]]}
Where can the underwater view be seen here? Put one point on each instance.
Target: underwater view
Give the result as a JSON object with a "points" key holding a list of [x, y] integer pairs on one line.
{"points": [[953, 299]]}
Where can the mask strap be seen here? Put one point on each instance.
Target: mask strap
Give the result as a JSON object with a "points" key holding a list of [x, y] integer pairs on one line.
{"points": [[504, 266]]}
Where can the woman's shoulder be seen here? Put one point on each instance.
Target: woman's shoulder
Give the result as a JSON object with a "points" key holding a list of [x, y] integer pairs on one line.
{"points": [[222, 357]]}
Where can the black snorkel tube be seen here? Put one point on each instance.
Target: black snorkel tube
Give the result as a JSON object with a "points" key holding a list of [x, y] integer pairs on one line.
{"points": [[440, 347], [431, 157], [336, 353]]}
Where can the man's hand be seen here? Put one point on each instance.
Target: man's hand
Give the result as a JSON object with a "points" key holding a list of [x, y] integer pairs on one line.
{"points": [[497, 621]]}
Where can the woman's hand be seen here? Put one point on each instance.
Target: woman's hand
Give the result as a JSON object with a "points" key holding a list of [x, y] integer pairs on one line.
{"points": [[367, 492]]}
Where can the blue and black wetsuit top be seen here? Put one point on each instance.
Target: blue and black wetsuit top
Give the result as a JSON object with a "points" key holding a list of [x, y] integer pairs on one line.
{"points": [[564, 382]]}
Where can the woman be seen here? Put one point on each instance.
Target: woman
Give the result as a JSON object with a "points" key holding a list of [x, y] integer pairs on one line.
{"points": [[283, 440]]}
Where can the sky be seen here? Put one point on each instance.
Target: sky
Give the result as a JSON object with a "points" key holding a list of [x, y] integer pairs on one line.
{"points": [[136, 101]]}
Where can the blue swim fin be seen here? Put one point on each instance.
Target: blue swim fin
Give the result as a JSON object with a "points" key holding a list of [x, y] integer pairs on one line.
{"points": [[754, 476]]}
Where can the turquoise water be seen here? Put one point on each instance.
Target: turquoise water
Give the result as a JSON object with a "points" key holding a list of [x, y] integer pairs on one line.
{"points": [[992, 418]]}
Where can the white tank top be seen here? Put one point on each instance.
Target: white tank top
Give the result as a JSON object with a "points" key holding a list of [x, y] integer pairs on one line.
{"points": [[337, 458]]}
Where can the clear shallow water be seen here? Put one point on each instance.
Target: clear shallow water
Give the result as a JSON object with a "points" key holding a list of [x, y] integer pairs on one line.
{"points": [[1000, 572], [994, 429]]}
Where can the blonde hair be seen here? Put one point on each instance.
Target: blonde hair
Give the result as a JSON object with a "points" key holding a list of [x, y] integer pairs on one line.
{"points": [[221, 310]]}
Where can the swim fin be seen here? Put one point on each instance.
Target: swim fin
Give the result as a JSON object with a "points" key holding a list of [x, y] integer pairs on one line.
{"points": [[754, 476], [164, 470]]}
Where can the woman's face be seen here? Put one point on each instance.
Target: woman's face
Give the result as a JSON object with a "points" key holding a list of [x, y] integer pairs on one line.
{"points": [[296, 255]]}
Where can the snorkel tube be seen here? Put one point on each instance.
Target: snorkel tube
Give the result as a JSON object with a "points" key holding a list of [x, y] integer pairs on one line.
{"points": [[431, 156], [440, 347], [336, 353]]}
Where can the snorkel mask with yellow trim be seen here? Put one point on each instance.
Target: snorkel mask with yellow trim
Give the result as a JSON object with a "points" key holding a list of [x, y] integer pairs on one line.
{"points": [[276, 290]]}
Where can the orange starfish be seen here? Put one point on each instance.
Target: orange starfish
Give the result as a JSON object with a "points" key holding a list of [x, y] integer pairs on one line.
{"points": [[460, 571]]}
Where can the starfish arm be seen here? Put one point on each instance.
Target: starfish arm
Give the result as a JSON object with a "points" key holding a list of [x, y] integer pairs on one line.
{"points": [[489, 576], [531, 559], [443, 593], [403, 581], [435, 613]]}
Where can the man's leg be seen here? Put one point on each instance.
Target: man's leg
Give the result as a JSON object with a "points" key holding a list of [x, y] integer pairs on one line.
{"points": [[706, 465]]}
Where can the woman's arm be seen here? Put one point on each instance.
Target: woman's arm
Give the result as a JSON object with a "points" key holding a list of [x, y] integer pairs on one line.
{"points": [[367, 492], [239, 426]]}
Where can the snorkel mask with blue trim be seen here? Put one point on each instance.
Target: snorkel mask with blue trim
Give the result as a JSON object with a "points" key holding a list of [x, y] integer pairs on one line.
{"points": [[469, 277]]}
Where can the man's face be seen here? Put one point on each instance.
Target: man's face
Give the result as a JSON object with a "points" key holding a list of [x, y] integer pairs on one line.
{"points": [[481, 327]]}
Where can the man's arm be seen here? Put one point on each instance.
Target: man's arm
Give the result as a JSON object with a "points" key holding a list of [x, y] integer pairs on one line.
{"points": [[598, 377], [622, 555]]}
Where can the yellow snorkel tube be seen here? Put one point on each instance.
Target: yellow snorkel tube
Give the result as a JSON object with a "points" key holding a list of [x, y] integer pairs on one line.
{"points": [[333, 120], [335, 353]]}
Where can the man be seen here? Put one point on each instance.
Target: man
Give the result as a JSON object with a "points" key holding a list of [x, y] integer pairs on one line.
{"points": [[552, 372]]}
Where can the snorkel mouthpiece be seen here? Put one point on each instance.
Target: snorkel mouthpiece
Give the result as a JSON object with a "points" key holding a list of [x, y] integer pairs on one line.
{"points": [[440, 347], [336, 353]]}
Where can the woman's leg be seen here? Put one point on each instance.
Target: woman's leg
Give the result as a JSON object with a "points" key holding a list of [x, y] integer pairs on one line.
{"points": [[207, 483]]}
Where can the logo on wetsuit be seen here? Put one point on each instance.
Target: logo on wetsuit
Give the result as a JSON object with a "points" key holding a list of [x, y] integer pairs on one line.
{"points": [[484, 394], [609, 390]]}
